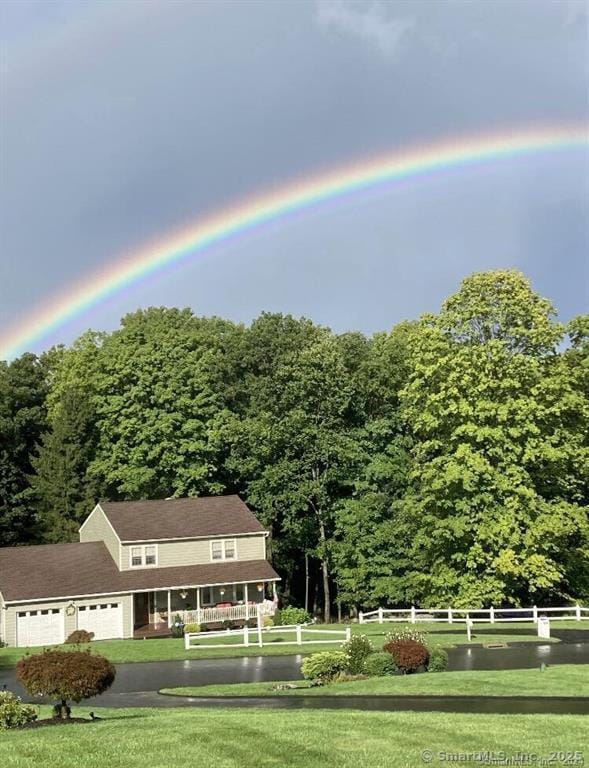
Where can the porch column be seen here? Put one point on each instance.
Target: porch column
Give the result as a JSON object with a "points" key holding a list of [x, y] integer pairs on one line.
{"points": [[198, 605], [246, 601], [169, 608], [274, 592]]}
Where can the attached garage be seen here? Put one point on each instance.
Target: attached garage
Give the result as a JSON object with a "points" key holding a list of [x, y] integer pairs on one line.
{"points": [[104, 619], [40, 627]]}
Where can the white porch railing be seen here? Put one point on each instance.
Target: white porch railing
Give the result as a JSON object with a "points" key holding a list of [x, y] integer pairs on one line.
{"points": [[476, 615], [230, 613]]}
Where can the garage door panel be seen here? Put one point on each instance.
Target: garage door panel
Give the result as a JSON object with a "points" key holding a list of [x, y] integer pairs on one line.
{"points": [[104, 619], [40, 627]]}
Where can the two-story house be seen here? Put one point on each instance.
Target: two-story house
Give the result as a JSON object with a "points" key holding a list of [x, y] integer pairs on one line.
{"points": [[137, 566]]}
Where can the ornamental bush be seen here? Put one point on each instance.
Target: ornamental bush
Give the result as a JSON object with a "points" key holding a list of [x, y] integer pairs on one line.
{"points": [[357, 648], [409, 655], [191, 628], [292, 615], [79, 636], [438, 660], [324, 667], [379, 664], [177, 626], [65, 675], [267, 622], [406, 633], [13, 713]]}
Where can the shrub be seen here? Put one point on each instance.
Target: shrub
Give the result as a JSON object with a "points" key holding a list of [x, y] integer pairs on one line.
{"points": [[177, 626], [65, 675], [267, 622], [323, 667], [292, 615], [406, 633], [438, 660], [79, 636], [192, 628], [13, 712], [379, 664], [357, 648], [409, 655]]}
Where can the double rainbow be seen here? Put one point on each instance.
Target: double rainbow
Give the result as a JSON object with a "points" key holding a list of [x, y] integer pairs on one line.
{"points": [[298, 196]]}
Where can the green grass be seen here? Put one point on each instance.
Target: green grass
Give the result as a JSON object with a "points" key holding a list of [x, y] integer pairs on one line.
{"points": [[168, 649], [562, 680], [279, 739]]}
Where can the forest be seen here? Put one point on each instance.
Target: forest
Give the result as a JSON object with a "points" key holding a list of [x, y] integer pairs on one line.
{"points": [[445, 461]]}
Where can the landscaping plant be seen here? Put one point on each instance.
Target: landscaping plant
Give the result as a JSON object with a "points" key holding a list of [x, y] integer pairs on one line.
{"points": [[438, 660], [409, 655], [406, 633], [65, 675], [177, 626], [192, 628], [79, 636], [357, 649], [291, 615], [13, 712], [379, 664], [323, 667]]}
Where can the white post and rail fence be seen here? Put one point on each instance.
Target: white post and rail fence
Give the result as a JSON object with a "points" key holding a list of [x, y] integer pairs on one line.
{"points": [[490, 615], [259, 635]]}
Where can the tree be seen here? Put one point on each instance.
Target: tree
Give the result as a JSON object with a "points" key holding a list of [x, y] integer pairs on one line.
{"points": [[65, 675], [493, 504], [23, 389]]}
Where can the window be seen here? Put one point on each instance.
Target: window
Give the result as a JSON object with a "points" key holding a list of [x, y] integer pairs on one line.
{"points": [[143, 556], [223, 549]]}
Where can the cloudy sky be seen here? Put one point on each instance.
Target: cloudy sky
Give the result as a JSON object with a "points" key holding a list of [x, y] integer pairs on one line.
{"points": [[123, 120]]}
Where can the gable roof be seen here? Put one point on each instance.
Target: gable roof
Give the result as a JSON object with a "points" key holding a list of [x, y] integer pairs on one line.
{"points": [[180, 518], [54, 571]]}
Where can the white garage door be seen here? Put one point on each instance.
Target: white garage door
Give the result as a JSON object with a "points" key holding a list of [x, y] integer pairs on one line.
{"points": [[104, 619], [44, 627]]}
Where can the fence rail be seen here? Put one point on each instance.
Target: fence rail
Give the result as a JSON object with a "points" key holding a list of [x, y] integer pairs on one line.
{"points": [[490, 615], [260, 636]]}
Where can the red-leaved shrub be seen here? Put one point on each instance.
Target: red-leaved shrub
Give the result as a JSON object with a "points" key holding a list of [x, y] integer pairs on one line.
{"points": [[64, 675], [409, 655]]}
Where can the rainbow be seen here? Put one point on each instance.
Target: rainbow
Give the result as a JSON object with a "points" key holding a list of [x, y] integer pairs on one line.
{"points": [[299, 195]]}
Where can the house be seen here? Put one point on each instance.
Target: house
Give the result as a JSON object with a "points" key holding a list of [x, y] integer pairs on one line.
{"points": [[137, 565]]}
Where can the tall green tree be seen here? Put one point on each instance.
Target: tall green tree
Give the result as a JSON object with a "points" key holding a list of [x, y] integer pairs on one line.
{"points": [[493, 507], [23, 389]]}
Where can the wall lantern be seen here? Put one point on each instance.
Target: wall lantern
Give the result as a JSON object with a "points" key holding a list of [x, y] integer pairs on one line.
{"points": [[221, 592], [260, 587], [183, 594]]}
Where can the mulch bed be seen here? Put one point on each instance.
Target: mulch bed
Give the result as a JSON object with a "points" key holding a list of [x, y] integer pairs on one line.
{"points": [[57, 721]]}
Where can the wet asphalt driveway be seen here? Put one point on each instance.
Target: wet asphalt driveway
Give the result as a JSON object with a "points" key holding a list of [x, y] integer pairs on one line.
{"points": [[137, 684]]}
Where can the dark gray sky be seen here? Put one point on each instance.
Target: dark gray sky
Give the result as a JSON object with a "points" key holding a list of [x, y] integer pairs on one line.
{"points": [[123, 120]]}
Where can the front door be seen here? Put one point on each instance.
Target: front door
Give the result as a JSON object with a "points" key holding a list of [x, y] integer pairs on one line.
{"points": [[141, 609]]}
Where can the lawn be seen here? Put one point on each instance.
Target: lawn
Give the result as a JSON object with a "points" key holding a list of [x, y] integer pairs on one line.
{"points": [[561, 680], [278, 739], [168, 649]]}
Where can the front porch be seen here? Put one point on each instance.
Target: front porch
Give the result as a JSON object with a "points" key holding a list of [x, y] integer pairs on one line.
{"points": [[155, 612]]}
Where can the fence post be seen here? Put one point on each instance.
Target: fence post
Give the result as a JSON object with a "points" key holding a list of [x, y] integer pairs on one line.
{"points": [[450, 617], [492, 614], [578, 612], [380, 615], [299, 635], [360, 618], [535, 614], [246, 635], [259, 620], [413, 614], [348, 634], [186, 642]]}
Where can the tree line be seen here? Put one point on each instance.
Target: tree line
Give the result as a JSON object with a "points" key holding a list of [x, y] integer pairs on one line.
{"points": [[443, 462]]}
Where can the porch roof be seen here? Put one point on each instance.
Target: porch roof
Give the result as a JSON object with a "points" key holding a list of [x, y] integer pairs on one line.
{"points": [[61, 571]]}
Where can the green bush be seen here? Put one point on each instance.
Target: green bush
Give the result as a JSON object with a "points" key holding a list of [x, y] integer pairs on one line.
{"points": [[13, 713], [191, 628], [267, 622], [79, 636], [292, 615], [379, 664], [406, 633], [324, 667], [409, 655], [357, 649], [438, 660], [177, 626]]}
